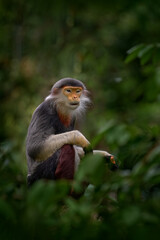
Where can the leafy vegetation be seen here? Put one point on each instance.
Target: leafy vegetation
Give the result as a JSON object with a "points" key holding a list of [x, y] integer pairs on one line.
{"points": [[113, 47]]}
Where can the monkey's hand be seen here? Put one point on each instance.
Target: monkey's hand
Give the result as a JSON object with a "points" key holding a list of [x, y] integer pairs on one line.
{"points": [[80, 151], [109, 157], [79, 139]]}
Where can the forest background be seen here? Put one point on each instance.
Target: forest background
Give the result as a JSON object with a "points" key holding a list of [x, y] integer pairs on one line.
{"points": [[113, 47]]}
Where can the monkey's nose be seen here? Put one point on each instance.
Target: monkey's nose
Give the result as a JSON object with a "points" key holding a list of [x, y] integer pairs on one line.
{"points": [[75, 97]]}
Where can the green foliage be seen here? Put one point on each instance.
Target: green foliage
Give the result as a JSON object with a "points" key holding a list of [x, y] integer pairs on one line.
{"points": [[121, 201], [43, 41], [145, 53]]}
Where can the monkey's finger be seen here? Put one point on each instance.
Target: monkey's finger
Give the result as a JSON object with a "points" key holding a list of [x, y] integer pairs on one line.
{"points": [[88, 149], [111, 159]]}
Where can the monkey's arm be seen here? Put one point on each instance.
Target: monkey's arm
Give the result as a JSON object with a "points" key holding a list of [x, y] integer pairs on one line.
{"points": [[102, 153], [55, 142], [81, 152], [109, 157]]}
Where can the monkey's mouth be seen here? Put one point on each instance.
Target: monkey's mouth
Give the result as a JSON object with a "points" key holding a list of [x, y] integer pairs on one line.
{"points": [[74, 104]]}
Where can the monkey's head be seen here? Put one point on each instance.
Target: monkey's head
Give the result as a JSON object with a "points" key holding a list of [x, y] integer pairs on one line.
{"points": [[70, 95]]}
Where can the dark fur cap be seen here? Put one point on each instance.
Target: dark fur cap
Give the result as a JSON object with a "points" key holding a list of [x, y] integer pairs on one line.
{"points": [[68, 82]]}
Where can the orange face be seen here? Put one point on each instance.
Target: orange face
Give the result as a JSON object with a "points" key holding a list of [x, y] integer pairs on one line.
{"points": [[73, 94]]}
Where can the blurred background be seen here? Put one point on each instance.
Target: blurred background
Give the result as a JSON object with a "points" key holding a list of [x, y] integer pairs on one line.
{"points": [[113, 47]]}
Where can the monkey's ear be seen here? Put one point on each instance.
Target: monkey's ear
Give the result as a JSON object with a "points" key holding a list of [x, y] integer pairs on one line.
{"points": [[86, 93], [55, 91]]}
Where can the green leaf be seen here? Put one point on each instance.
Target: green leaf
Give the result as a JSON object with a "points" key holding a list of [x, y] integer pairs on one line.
{"points": [[152, 172], [156, 55], [138, 169], [131, 215], [6, 211], [146, 53], [146, 57], [133, 53], [135, 48], [145, 49], [154, 154], [92, 169], [110, 124]]}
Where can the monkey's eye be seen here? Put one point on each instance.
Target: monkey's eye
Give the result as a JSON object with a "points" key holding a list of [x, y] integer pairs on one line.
{"points": [[68, 90], [78, 91]]}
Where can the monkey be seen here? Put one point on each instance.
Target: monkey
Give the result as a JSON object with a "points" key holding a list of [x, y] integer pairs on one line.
{"points": [[53, 146]]}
